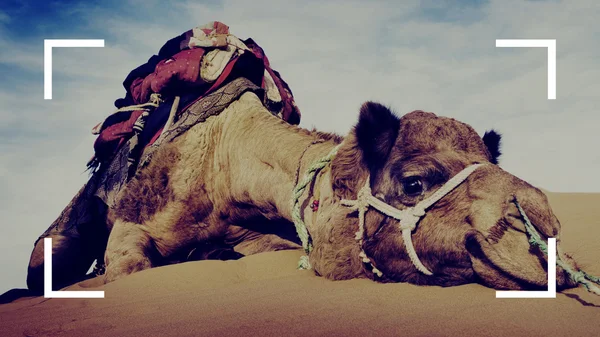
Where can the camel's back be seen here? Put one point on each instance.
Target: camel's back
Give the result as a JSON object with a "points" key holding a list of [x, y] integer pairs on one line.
{"points": [[207, 146], [213, 158]]}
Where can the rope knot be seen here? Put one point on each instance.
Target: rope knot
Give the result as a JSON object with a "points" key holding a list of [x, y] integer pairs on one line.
{"points": [[362, 199], [155, 98], [361, 203], [409, 217], [364, 192]]}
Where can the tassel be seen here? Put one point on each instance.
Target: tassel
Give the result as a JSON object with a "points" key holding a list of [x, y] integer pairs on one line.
{"points": [[304, 263]]}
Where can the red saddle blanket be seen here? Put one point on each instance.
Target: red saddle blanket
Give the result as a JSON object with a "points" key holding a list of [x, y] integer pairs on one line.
{"points": [[189, 66]]}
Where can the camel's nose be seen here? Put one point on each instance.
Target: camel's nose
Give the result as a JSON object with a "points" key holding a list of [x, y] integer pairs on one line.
{"points": [[537, 208], [535, 204], [510, 251]]}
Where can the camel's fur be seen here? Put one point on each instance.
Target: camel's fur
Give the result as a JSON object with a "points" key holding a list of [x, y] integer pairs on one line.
{"points": [[231, 178]]}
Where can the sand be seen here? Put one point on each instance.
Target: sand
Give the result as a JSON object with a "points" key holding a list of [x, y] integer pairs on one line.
{"points": [[264, 295]]}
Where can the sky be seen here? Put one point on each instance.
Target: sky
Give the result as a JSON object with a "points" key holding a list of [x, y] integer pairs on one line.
{"points": [[437, 56]]}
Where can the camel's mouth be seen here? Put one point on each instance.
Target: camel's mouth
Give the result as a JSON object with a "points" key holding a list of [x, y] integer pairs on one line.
{"points": [[521, 268]]}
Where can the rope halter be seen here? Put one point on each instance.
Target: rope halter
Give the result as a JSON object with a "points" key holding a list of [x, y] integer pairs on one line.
{"points": [[408, 218]]}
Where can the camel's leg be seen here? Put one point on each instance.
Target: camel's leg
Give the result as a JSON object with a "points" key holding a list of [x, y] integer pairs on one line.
{"points": [[252, 241], [213, 251], [128, 250], [78, 236], [264, 243], [71, 258]]}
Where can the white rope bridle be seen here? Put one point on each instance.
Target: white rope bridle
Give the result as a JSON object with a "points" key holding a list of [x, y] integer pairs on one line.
{"points": [[408, 217]]}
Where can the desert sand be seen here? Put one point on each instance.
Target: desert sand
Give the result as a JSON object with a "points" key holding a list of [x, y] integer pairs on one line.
{"points": [[265, 295]]}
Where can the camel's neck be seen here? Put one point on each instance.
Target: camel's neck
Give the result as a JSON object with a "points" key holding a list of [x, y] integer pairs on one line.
{"points": [[265, 158], [260, 158]]}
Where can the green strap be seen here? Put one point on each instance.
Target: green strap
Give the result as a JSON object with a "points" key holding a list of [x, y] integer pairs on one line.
{"points": [[296, 194]]}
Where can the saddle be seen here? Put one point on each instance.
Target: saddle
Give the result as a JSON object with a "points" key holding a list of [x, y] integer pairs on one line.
{"points": [[194, 75]]}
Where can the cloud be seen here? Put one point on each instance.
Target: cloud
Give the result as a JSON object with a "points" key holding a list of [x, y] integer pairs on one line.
{"points": [[335, 55], [4, 18]]}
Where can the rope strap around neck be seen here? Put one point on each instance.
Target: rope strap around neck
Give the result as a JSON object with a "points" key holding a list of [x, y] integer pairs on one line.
{"points": [[297, 194], [408, 217], [590, 282]]}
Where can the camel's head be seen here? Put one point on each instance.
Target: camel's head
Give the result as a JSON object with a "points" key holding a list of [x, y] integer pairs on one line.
{"points": [[473, 234]]}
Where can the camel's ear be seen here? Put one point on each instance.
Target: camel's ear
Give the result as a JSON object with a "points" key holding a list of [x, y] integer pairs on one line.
{"points": [[376, 133], [492, 139]]}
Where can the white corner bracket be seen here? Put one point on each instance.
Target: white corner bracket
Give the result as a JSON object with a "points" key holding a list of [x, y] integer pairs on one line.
{"points": [[48, 292], [551, 292], [550, 45], [51, 43]]}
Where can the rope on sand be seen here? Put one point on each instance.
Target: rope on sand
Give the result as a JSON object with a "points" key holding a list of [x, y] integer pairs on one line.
{"points": [[590, 282]]}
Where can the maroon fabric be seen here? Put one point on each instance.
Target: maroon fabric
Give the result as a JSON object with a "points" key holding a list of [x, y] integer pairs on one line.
{"points": [[112, 136], [140, 91], [218, 28], [290, 112], [181, 71]]}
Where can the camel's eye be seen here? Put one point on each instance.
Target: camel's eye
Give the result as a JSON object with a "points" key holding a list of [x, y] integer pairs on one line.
{"points": [[412, 186]]}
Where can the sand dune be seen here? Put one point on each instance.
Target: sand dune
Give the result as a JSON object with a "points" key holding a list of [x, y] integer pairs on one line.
{"points": [[264, 295]]}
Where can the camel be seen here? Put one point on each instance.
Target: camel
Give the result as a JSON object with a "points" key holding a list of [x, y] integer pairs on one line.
{"points": [[230, 180]]}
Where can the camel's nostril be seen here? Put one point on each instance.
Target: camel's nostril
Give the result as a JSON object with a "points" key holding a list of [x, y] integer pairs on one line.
{"points": [[512, 209], [515, 222]]}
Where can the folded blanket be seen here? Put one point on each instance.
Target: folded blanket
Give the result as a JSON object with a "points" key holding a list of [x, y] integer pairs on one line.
{"points": [[191, 65]]}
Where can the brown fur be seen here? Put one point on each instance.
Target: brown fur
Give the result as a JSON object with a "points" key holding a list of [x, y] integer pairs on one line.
{"points": [[231, 177]]}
